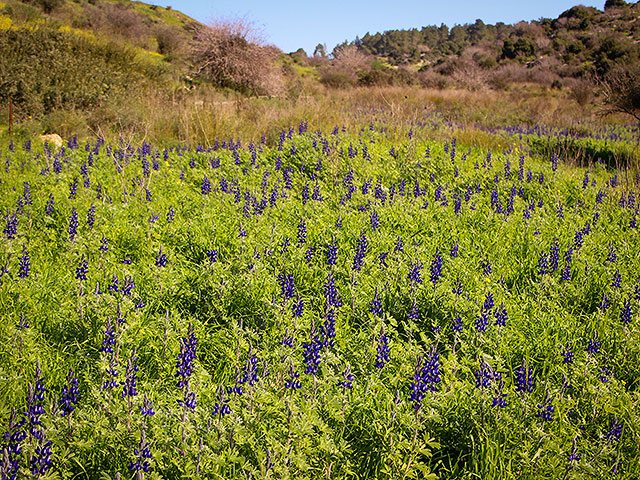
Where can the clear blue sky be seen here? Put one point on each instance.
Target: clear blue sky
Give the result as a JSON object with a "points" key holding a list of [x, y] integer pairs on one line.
{"points": [[291, 25]]}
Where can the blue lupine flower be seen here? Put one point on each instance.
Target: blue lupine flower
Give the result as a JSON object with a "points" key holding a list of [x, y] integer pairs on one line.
{"points": [[213, 255], [332, 252], [501, 315], [69, 396], [221, 408], [615, 431], [293, 382], [605, 303], [161, 259], [130, 384], [626, 313], [186, 357], [382, 356], [109, 340], [146, 409], [485, 264], [24, 265], [142, 456], [205, 187], [73, 189], [35, 407], [302, 231], [11, 451], [425, 379], [91, 217], [311, 354], [500, 399], [617, 280], [26, 193], [331, 295], [594, 345], [414, 273], [399, 245], [308, 255], [347, 379], [383, 259], [328, 329], [375, 220], [436, 267], [250, 370], [49, 206], [297, 308], [546, 411], [171, 213], [73, 223], [112, 372], [456, 324], [375, 306], [414, 312], [482, 321], [454, 249], [524, 378], [287, 288], [566, 271], [83, 269], [612, 256], [361, 250], [567, 353], [543, 264]]}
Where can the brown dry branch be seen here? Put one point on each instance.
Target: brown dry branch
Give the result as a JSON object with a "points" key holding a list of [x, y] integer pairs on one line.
{"points": [[228, 54]]}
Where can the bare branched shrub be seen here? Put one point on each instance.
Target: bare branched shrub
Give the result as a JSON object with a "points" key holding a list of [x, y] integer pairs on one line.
{"points": [[170, 39], [468, 75], [621, 91], [351, 58], [231, 54], [432, 79], [581, 91], [343, 69]]}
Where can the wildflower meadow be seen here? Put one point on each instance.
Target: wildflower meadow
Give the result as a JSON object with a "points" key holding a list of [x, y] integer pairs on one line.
{"points": [[359, 302]]}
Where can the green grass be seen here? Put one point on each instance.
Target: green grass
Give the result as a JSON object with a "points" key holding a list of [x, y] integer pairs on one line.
{"points": [[237, 308]]}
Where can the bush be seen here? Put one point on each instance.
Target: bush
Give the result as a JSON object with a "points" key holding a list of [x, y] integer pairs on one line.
{"points": [[621, 91], [72, 72], [228, 54]]}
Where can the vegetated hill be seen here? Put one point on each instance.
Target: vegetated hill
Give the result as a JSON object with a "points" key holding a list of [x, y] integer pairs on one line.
{"points": [[582, 41], [80, 55]]}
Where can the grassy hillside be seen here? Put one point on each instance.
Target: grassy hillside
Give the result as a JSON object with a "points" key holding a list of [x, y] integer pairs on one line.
{"points": [[115, 66], [87, 57]]}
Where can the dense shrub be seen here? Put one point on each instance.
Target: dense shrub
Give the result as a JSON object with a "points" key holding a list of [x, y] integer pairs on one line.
{"points": [[44, 70]]}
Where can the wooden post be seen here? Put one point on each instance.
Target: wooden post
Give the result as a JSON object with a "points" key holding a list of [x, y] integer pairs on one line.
{"points": [[10, 115]]}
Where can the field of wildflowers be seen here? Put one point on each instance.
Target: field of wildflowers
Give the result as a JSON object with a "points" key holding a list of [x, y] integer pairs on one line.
{"points": [[353, 303]]}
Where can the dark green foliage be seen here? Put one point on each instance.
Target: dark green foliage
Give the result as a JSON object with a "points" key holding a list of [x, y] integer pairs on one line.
{"points": [[572, 35], [44, 70], [47, 6], [522, 47], [614, 4]]}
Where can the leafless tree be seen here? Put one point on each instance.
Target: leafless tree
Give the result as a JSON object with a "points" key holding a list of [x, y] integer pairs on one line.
{"points": [[621, 92], [231, 54]]}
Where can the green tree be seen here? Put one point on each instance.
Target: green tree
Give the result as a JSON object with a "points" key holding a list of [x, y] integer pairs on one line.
{"points": [[320, 51], [614, 4]]}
